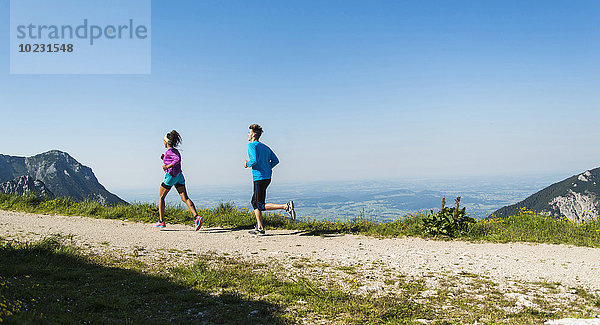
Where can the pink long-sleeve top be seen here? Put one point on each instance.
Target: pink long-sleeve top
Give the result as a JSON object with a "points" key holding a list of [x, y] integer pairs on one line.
{"points": [[172, 156]]}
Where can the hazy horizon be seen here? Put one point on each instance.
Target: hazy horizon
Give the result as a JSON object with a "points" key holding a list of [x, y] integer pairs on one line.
{"points": [[348, 199]]}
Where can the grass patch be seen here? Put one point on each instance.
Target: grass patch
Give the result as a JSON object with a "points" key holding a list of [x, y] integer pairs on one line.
{"points": [[528, 226], [525, 227], [50, 282], [351, 270], [470, 299]]}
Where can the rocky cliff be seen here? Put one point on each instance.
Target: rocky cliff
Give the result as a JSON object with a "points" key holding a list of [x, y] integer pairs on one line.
{"points": [[576, 198], [61, 174], [25, 185]]}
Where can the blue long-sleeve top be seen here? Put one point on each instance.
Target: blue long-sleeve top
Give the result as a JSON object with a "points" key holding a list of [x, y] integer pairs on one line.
{"points": [[262, 160]]}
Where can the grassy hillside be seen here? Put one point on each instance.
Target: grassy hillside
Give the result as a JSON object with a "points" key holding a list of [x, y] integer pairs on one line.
{"points": [[540, 201], [53, 282], [50, 282]]}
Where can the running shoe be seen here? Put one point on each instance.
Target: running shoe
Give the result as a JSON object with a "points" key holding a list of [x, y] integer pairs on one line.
{"points": [[257, 231], [289, 208], [159, 224], [198, 223]]}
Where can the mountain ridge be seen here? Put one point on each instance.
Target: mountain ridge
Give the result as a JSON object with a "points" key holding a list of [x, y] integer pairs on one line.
{"points": [[576, 198], [62, 174]]}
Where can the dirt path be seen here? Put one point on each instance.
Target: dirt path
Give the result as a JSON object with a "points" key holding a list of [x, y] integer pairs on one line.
{"points": [[568, 265]]}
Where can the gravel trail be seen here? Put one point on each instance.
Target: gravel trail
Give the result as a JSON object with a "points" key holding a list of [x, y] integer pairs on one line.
{"points": [[569, 265]]}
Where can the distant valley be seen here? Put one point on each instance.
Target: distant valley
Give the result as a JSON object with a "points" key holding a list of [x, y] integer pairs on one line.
{"points": [[378, 200]]}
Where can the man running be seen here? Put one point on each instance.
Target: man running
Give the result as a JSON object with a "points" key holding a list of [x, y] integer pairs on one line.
{"points": [[262, 160]]}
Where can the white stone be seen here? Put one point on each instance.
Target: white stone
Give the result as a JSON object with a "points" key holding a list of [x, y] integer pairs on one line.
{"points": [[585, 176], [574, 321], [577, 206]]}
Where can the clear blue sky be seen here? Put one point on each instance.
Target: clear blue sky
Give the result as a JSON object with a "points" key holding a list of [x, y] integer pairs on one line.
{"points": [[343, 89]]}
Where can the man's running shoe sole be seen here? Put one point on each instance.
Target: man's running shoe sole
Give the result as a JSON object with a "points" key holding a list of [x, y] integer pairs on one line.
{"points": [[292, 210], [256, 232]]}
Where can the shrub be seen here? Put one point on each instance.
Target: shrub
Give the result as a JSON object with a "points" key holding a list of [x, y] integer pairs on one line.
{"points": [[449, 222]]}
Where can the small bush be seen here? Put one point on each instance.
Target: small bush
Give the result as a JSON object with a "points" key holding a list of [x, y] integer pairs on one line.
{"points": [[448, 222]]}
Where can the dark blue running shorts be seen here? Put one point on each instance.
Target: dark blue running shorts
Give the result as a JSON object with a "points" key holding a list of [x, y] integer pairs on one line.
{"points": [[260, 194]]}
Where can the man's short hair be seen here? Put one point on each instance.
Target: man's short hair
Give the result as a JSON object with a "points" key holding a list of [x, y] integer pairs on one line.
{"points": [[257, 130]]}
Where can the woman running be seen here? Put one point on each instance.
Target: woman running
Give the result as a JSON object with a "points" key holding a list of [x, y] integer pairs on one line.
{"points": [[174, 177]]}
